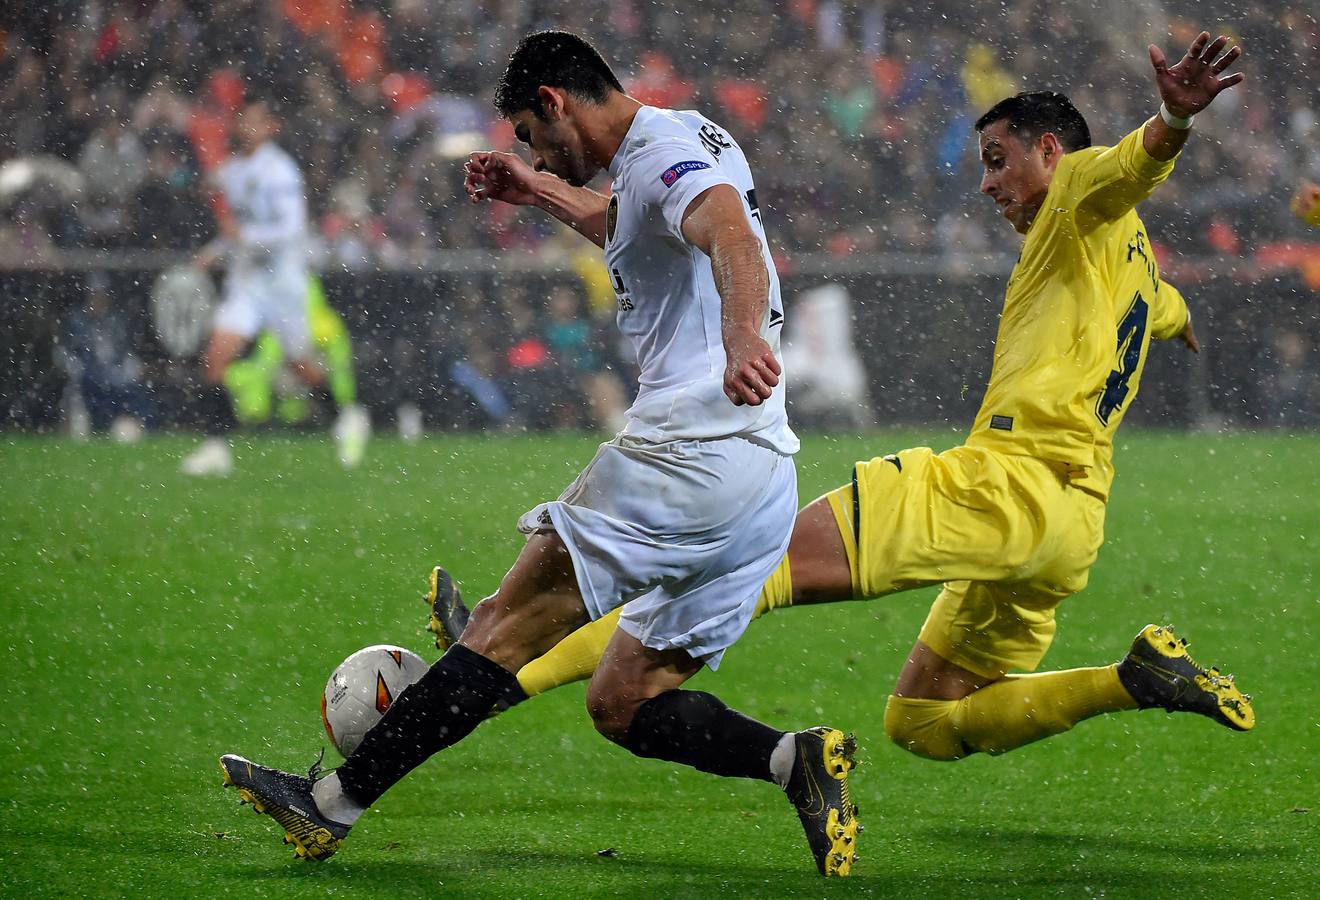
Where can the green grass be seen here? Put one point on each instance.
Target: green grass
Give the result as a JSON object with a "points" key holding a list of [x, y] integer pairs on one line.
{"points": [[149, 623]]}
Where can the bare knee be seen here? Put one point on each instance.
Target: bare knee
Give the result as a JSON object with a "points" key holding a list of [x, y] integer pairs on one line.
{"points": [[536, 606], [514, 632], [925, 727], [612, 709]]}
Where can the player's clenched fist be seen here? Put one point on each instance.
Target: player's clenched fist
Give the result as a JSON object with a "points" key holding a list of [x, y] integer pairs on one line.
{"points": [[491, 175], [752, 372]]}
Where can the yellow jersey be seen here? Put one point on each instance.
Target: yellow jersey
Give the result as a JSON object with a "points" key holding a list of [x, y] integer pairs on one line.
{"points": [[1082, 304]]}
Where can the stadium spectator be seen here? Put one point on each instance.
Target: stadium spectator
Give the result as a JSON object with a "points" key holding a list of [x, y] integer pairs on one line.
{"points": [[99, 357], [875, 93]]}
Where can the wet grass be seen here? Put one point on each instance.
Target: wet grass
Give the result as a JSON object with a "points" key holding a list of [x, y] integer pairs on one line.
{"points": [[151, 622]]}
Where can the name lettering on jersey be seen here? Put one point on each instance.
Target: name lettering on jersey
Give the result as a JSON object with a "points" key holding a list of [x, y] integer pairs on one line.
{"points": [[611, 218], [620, 290], [1001, 423], [1137, 247], [713, 140], [675, 172]]}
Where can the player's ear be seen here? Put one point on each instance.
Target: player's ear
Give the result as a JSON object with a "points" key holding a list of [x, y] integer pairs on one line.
{"points": [[1050, 147], [552, 102]]}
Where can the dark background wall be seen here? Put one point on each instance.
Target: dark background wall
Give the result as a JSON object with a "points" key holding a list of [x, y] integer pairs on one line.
{"points": [[925, 341]]}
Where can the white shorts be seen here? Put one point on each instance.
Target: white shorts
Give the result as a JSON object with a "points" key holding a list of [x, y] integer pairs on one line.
{"points": [[258, 298], [682, 535]]}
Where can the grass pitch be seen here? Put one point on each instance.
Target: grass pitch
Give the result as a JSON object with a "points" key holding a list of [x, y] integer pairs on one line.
{"points": [[151, 623]]}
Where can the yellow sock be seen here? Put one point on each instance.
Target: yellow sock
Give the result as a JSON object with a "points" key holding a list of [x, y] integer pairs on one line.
{"points": [[1005, 715], [1019, 709], [573, 659], [777, 590]]}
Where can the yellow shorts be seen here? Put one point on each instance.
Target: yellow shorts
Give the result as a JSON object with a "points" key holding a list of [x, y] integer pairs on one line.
{"points": [[1008, 536]]}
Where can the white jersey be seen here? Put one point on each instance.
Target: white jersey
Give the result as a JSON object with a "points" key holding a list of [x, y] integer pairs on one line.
{"points": [[669, 307], [265, 193]]}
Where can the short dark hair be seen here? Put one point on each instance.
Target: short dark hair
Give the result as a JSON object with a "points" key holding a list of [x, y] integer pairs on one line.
{"points": [[1033, 113], [557, 59]]}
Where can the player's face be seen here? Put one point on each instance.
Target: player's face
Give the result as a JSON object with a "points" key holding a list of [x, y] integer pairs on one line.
{"points": [[1016, 174], [555, 146], [254, 126]]}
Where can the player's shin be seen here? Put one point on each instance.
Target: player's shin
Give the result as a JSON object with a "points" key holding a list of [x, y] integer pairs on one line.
{"points": [[449, 701], [698, 730], [216, 410], [1006, 714]]}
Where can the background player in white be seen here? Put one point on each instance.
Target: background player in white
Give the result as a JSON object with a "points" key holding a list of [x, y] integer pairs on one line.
{"points": [[263, 225], [678, 520]]}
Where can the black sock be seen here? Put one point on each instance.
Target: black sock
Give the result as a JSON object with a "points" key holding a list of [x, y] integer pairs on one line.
{"points": [[441, 709], [216, 409], [324, 401], [699, 730], [512, 696]]}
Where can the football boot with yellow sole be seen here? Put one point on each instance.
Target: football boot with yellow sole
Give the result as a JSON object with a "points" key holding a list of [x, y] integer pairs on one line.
{"points": [[448, 617], [818, 788], [448, 614], [1159, 673], [287, 799]]}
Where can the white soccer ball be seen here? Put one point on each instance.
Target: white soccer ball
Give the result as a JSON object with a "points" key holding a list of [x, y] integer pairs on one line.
{"points": [[362, 688]]}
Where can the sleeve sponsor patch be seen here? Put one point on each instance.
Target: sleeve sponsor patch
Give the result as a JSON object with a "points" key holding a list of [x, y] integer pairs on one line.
{"points": [[675, 172]]}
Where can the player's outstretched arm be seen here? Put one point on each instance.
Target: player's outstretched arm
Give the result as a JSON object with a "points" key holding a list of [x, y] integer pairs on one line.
{"points": [[492, 175], [1186, 88], [716, 223]]}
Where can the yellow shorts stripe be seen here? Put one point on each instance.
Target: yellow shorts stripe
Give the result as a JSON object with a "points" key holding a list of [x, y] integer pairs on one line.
{"points": [[843, 503]]}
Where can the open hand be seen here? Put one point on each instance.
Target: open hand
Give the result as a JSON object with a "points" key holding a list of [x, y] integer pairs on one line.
{"points": [[492, 175], [1188, 86]]}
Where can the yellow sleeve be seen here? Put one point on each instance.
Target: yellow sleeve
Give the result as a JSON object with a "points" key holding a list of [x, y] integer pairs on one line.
{"points": [[1108, 181], [1314, 217], [1168, 313]]}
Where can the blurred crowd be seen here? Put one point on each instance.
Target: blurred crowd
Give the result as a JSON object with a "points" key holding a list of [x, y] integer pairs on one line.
{"points": [[857, 114]]}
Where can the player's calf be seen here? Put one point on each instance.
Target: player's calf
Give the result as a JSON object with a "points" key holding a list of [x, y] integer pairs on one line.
{"points": [[812, 766]]}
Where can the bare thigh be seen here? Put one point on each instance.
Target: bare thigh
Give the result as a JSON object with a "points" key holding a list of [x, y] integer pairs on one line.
{"points": [[817, 557], [928, 676], [537, 605], [628, 675]]}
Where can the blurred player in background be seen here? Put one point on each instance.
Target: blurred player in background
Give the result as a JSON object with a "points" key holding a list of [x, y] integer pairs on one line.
{"points": [[1011, 522], [263, 225], [678, 520], [253, 382]]}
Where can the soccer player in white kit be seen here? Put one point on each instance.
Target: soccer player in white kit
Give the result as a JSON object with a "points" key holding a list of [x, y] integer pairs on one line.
{"points": [[264, 238], [678, 520]]}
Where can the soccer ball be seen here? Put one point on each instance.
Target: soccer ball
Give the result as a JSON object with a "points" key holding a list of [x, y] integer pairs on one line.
{"points": [[362, 688]]}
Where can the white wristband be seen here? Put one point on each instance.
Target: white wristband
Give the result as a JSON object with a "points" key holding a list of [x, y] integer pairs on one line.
{"points": [[1174, 121]]}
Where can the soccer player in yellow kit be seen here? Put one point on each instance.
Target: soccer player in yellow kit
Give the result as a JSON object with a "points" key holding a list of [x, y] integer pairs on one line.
{"points": [[1011, 522]]}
